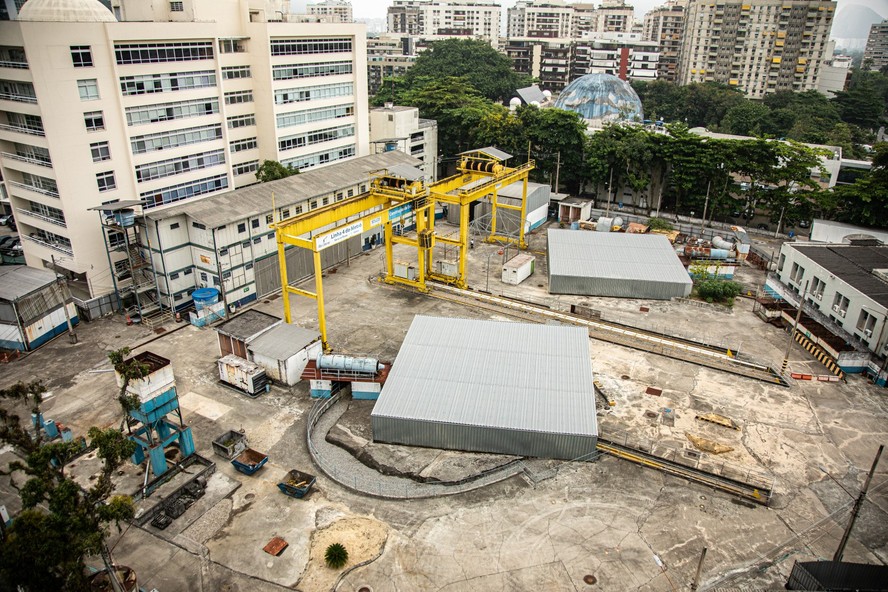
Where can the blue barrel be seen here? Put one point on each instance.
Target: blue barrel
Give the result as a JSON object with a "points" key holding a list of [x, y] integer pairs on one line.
{"points": [[204, 297], [574, 225]]}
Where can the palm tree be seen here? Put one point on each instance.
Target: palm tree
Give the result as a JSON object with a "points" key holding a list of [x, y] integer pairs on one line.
{"points": [[336, 556]]}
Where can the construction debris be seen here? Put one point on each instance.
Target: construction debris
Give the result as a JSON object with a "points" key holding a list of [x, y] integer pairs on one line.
{"points": [[706, 445], [717, 419]]}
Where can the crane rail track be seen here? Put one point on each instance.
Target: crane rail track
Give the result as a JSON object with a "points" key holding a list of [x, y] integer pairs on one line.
{"points": [[640, 339]]}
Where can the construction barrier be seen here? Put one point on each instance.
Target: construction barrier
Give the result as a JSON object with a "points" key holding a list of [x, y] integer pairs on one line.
{"points": [[818, 377], [823, 357]]}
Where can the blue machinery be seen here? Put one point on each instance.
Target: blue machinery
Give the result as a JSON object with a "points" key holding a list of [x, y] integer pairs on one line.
{"points": [[158, 421]]}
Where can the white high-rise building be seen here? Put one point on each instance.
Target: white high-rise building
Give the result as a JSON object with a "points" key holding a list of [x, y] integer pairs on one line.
{"points": [[336, 10], [549, 19], [664, 25], [183, 100], [478, 19]]}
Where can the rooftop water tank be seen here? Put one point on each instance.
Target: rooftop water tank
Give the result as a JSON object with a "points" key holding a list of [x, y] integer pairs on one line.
{"points": [[204, 297], [349, 364]]}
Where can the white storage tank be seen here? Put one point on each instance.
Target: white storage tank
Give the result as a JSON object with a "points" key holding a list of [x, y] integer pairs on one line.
{"points": [[405, 271], [604, 224], [243, 375], [518, 268]]}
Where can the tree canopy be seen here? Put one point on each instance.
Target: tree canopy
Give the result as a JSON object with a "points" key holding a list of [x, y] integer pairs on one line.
{"points": [[272, 170]]}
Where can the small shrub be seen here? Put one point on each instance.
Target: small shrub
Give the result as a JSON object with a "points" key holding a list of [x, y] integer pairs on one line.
{"points": [[336, 556], [660, 224], [718, 290]]}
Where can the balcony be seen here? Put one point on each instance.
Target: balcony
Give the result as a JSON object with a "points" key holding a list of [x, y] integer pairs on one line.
{"points": [[55, 246], [17, 97], [44, 163], [40, 190], [13, 64], [43, 217], [22, 129]]}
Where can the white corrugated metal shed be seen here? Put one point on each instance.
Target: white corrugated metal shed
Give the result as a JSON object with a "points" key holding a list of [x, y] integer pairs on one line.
{"points": [[615, 264], [490, 386], [17, 281], [283, 341]]}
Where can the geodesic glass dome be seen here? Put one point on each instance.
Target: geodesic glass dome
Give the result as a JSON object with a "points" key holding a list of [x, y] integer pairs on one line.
{"points": [[600, 99]]}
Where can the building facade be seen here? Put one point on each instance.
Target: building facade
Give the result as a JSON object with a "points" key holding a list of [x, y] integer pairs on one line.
{"points": [[548, 60], [181, 102], [875, 56], [388, 55], [337, 10], [758, 47], [549, 19], [478, 19], [664, 25], [394, 127], [623, 55]]}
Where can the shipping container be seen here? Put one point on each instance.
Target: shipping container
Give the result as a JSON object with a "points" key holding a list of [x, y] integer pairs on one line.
{"points": [[518, 268]]}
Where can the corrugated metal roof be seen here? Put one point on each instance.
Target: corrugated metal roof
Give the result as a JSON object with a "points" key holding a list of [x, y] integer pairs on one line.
{"points": [[853, 265], [615, 264], [17, 281], [283, 341], [247, 324], [405, 171], [494, 374], [490, 151], [531, 94], [224, 208]]}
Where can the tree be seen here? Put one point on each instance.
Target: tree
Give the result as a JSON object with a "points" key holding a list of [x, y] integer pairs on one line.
{"points": [[481, 66], [865, 201], [864, 103], [336, 556], [715, 290], [128, 370], [60, 524], [745, 119], [272, 170]]}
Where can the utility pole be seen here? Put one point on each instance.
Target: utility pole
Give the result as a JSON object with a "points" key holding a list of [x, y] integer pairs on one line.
{"points": [[609, 183], [63, 289], [699, 571], [557, 170], [795, 328], [705, 205], [859, 502]]}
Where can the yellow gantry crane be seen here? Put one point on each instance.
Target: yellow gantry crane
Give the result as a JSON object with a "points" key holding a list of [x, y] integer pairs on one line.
{"points": [[396, 193]]}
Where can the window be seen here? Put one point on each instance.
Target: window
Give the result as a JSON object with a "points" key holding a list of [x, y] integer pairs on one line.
{"points": [[325, 201], [88, 89], [246, 167], [363, 189], [285, 214], [174, 226], [147, 53], [312, 115], [232, 46], [291, 71], [203, 276], [174, 193], [173, 139], [237, 97], [298, 210], [199, 226], [313, 204], [237, 121], [187, 271], [174, 276], [269, 236], [310, 160], [254, 223], [248, 266], [351, 192], [235, 72], [312, 93], [106, 181], [257, 240], [269, 218], [817, 286], [158, 83], [181, 164], [840, 305], [170, 111], [81, 56], [176, 7], [316, 137], [242, 227], [100, 151], [797, 273], [178, 297], [866, 322], [245, 244], [307, 46], [241, 145]]}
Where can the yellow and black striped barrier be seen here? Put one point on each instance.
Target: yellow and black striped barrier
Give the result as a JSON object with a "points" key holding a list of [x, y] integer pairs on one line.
{"points": [[824, 358]]}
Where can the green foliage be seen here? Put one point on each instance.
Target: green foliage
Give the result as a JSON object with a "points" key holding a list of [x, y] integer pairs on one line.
{"points": [[482, 67], [660, 224], [60, 523], [129, 370], [714, 290], [865, 201], [272, 170], [336, 556]]}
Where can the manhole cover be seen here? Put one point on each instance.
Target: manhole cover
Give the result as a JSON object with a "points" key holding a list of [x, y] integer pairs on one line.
{"points": [[365, 589], [249, 496], [590, 579], [625, 377], [650, 414]]}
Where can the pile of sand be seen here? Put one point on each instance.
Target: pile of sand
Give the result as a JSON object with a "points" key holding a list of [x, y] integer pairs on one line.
{"points": [[363, 538]]}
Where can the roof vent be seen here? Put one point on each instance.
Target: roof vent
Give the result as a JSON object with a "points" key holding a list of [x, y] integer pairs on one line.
{"points": [[862, 240], [882, 274]]}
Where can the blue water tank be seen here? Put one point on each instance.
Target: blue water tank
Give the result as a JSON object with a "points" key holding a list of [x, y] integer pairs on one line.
{"points": [[718, 253], [204, 297], [349, 364]]}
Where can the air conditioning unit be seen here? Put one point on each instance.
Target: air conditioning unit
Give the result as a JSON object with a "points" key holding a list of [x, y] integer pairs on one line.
{"points": [[868, 332], [835, 308]]}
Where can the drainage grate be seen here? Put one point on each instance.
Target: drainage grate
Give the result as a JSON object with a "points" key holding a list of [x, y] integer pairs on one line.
{"points": [[160, 330], [692, 454], [651, 390]]}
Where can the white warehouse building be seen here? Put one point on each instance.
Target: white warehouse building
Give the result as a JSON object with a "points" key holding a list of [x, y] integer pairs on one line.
{"points": [[164, 103]]}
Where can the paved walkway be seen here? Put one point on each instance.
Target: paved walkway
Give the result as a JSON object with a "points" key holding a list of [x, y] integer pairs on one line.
{"points": [[345, 469]]}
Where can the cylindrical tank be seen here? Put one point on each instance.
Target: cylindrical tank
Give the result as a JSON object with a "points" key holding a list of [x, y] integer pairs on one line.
{"points": [[204, 297], [604, 224], [718, 253], [720, 243], [574, 225], [349, 363], [696, 251], [618, 222]]}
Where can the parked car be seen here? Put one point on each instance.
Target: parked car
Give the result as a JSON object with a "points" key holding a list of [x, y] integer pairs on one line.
{"points": [[804, 224], [5, 219], [6, 242]]}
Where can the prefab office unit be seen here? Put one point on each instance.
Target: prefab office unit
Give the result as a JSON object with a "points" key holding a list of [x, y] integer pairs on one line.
{"points": [[615, 264], [284, 350], [236, 333], [31, 312], [490, 386]]}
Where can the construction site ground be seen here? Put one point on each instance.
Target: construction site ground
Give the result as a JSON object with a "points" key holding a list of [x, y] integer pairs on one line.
{"points": [[619, 525]]}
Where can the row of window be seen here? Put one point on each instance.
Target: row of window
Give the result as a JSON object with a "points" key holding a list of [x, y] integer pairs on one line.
{"points": [[182, 164], [235, 72], [311, 160], [305, 46], [236, 121], [313, 93], [316, 137], [155, 83], [147, 53], [182, 191], [18, 91], [315, 114], [173, 139], [33, 153], [866, 322], [241, 145], [169, 111], [245, 167], [42, 184], [291, 71], [239, 96]]}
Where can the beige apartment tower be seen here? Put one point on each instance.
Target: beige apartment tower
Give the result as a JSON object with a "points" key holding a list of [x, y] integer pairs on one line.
{"points": [[165, 103], [760, 46], [664, 25]]}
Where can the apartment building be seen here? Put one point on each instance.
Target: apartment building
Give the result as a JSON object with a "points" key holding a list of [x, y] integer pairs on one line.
{"points": [[759, 47], [335, 10], [388, 56], [875, 56], [394, 127], [478, 19], [549, 19], [548, 60], [180, 102], [664, 25], [624, 55]]}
